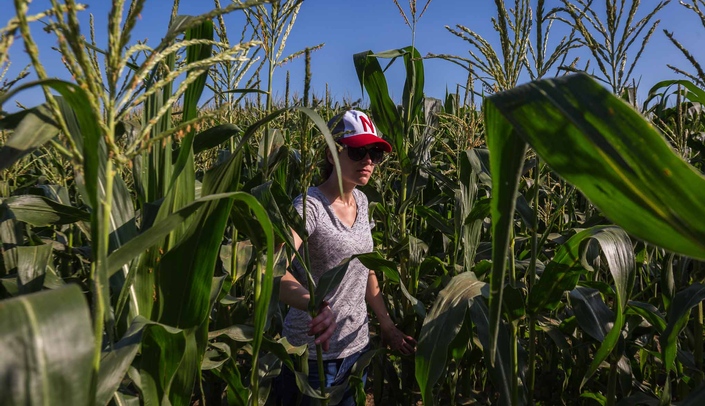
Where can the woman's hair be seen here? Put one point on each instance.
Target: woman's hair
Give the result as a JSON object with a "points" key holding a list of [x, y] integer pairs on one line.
{"points": [[337, 127], [327, 167]]}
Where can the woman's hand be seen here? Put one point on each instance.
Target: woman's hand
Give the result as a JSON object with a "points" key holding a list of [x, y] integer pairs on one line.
{"points": [[323, 326], [397, 340]]}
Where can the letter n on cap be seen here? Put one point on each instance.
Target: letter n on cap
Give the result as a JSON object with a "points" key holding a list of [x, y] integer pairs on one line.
{"points": [[367, 124]]}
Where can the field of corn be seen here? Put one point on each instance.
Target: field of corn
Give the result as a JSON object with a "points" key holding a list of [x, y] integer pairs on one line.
{"points": [[543, 243]]}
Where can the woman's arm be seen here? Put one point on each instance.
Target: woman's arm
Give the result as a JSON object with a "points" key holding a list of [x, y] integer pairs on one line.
{"points": [[296, 295], [391, 335]]}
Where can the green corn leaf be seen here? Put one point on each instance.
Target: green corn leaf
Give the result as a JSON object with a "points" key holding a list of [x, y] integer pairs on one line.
{"points": [[376, 262], [164, 351], [501, 369], [184, 276], [40, 211], [440, 327], [185, 272], [507, 152], [115, 362], [264, 277], [649, 312], [33, 128], [693, 93], [214, 136], [49, 348], [194, 53], [435, 220], [237, 393], [614, 156], [562, 273], [386, 115], [32, 263], [280, 209], [591, 312], [123, 255], [412, 97], [682, 304], [11, 237], [616, 248]]}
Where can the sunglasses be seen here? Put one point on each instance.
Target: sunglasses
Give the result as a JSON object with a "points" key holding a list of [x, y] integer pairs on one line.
{"points": [[358, 153]]}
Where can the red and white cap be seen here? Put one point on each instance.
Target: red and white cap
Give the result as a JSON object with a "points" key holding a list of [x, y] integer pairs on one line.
{"points": [[353, 128]]}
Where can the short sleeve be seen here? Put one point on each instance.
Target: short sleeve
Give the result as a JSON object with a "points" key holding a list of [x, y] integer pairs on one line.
{"points": [[311, 212]]}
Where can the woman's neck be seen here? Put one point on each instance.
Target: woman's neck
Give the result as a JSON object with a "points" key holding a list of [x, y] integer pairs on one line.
{"points": [[331, 189]]}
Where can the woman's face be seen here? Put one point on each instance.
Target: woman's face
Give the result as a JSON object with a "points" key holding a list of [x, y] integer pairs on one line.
{"points": [[355, 172]]}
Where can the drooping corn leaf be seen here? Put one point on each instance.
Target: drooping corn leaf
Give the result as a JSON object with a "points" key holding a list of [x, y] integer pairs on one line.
{"points": [[33, 128], [561, 274], [214, 136], [592, 314], [616, 248], [48, 348], [40, 211]]}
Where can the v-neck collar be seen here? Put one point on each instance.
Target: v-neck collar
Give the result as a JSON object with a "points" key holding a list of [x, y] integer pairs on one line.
{"points": [[332, 210]]}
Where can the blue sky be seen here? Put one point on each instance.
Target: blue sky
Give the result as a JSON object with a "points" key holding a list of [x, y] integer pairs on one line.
{"points": [[348, 27]]}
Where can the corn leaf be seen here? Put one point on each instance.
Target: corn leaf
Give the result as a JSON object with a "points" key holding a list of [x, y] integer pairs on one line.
{"points": [[386, 115], [155, 233], [48, 356], [11, 237], [562, 273], [376, 262], [115, 362], [33, 128], [501, 369], [683, 303], [40, 211], [164, 351], [32, 263], [440, 327], [649, 312]]}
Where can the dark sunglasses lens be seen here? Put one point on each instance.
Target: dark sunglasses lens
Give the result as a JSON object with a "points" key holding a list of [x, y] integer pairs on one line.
{"points": [[376, 155], [357, 154]]}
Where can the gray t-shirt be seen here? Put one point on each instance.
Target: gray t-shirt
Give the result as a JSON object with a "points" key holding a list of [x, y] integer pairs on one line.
{"points": [[329, 242]]}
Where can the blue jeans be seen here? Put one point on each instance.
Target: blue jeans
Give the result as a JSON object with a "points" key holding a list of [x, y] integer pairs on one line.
{"points": [[336, 372]]}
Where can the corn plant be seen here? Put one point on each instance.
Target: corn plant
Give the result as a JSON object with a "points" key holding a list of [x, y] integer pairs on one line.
{"points": [[498, 71], [91, 117], [696, 6], [614, 191], [610, 41]]}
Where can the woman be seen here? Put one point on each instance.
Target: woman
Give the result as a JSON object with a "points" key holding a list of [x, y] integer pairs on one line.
{"points": [[339, 227]]}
